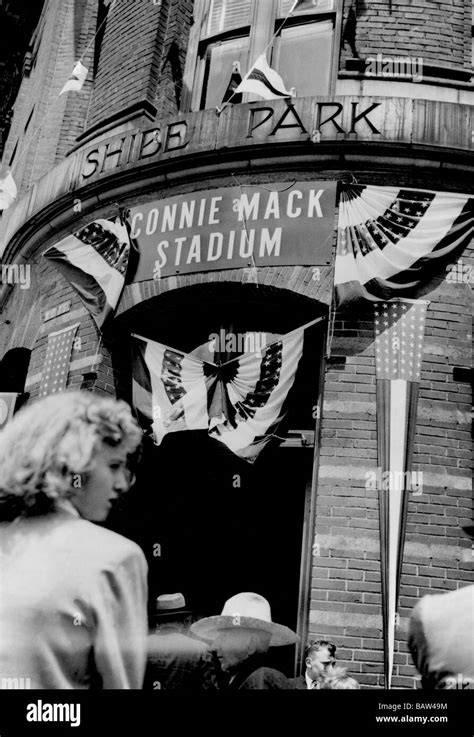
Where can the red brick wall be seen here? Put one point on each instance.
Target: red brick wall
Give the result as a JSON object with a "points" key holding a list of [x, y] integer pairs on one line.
{"points": [[437, 30], [26, 310], [56, 122], [174, 44], [346, 585], [129, 59]]}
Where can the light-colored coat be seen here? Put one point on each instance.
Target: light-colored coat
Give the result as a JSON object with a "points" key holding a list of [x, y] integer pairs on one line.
{"points": [[72, 605]]}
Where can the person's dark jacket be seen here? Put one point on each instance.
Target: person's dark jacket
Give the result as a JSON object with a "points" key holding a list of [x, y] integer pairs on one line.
{"points": [[254, 675]]}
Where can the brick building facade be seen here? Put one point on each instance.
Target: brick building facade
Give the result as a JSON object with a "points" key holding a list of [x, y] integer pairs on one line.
{"points": [[142, 129]]}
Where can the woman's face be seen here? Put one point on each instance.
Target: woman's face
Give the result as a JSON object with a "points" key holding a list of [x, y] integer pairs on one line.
{"points": [[107, 479]]}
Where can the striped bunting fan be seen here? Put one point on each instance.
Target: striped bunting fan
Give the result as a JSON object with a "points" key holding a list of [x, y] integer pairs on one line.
{"points": [[389, 238], [94, 261], [239, 402]]}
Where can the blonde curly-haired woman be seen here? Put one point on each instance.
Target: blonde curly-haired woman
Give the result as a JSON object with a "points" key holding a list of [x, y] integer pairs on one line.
{"points": [[72, 594]]}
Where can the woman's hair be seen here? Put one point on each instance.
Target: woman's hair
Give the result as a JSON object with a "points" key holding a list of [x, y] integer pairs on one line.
{"points": [[338, 678], [52, 441]]}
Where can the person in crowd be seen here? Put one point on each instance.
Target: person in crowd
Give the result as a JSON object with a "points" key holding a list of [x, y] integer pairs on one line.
{"points": [[441, 637], [240, 638], [337, 678], [73, 594], [320, 655], [176, 660]]}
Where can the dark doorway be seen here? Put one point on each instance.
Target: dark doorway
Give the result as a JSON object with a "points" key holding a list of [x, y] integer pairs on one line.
{"points": [[211, 524]]}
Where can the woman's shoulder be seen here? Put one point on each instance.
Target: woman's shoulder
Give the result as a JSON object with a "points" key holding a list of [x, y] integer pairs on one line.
{"points": [[74, 539], [105, 543]]}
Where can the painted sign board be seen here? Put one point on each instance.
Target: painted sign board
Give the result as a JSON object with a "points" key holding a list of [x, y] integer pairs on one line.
{"points": [[281, 223]]}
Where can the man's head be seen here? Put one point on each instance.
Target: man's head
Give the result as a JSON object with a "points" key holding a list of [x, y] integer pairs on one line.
{"points": [[319, 657], [234, 646], [171, 613]]}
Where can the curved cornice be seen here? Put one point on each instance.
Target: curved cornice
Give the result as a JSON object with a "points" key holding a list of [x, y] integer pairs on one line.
{"points": [[395, 134]]}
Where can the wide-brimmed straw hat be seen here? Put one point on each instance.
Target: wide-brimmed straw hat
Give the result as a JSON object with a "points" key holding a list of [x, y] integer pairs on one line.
{"points": [[247, 611]]}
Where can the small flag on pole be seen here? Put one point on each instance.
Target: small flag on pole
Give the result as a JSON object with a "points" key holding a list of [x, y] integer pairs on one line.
{"points": [[262, 80], [311, 5], [8, 191], [235, 80], [76, 80]]}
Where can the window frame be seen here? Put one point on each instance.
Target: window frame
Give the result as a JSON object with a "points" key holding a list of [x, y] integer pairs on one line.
{"points": [[307, 19], [264, 21]]}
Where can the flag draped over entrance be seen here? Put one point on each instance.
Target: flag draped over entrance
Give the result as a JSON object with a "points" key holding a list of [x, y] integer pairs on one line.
{"points": [[399, 333], [239, 402], [389, 237]]}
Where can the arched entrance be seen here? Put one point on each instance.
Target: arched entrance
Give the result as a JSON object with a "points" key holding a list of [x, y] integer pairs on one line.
{"points": [[210, 523]]}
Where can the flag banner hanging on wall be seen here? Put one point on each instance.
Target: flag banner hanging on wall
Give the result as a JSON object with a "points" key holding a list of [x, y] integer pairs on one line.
{"points": [[94, 261], [239, 402], [7, 407], [56, 362], [389, 238], [399, 335]]}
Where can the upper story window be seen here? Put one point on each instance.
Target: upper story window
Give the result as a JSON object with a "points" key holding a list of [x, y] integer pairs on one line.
{"points": [[301, 47]]}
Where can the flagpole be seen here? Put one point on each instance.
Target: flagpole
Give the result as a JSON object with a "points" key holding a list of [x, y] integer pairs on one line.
{"points": [[109, 12], [175, 350], [237, 358], [95, 361], [254, 265], [276, 340]]}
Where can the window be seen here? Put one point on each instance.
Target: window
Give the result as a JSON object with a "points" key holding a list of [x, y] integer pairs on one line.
{"points": [[223, 40], [220, 57], [300, 47], [308, 70], [226, 14]]}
